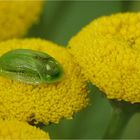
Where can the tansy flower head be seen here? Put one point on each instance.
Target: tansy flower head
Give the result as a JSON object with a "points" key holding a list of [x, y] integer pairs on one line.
{"points": [[47, 102], [108, 50], [17, 16], [14, 129]]}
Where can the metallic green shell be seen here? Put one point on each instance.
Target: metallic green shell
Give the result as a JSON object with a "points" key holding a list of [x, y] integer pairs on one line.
{"points": [[31, 67]]}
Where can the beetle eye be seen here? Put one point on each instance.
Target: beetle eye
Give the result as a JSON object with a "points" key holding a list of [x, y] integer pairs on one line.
{"points": [[53, 70]]}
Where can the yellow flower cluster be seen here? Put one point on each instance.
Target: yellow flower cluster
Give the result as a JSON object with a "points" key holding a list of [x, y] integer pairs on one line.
{"points": [[43, 103], [13, 129], [108, 50], [17, 16]]}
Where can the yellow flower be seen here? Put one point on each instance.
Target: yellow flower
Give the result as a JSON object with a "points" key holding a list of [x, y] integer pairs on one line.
{"points": [[43, 103], [108, 50], [12, 129], [17, 16]]}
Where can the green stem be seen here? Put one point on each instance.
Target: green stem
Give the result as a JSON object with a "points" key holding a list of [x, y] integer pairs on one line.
{"points": [[122, 113], [117, 124]]}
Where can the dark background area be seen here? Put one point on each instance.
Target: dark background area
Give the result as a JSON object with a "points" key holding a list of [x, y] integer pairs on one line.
{"points": [[59, 21]]}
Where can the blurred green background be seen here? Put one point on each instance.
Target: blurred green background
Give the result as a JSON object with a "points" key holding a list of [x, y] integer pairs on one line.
{"points": [[59, 21]]}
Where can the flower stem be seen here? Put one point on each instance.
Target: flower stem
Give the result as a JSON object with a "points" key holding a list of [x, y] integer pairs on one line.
{"points": [[122, 113]]}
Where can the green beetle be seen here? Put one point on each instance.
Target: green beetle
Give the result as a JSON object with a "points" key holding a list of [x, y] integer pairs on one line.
{"points": [[31, 67]]}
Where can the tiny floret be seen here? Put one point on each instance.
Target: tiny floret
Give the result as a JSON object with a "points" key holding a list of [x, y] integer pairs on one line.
{"points": [[44, 102], [108, 51], [13, 129], [16, 17]]}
